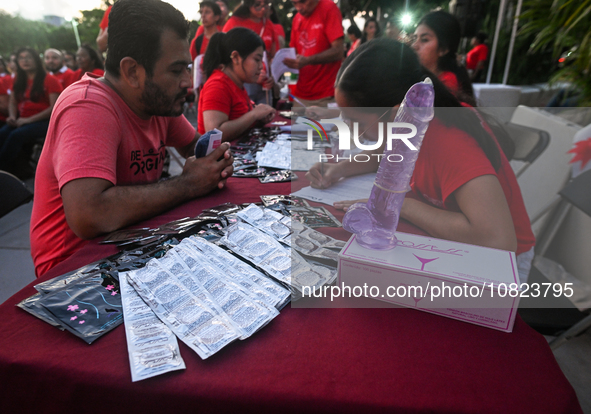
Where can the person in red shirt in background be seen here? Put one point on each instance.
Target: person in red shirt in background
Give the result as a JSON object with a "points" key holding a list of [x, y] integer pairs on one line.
{"points": [[436, 40], [3, 68], [223, 5], [210, 17], [33, 96], [54, 62], [70, 60], [252, 14], [101, 40], [231, 60], [354, 35], [318, 38], [476, 57], [88, 60]]}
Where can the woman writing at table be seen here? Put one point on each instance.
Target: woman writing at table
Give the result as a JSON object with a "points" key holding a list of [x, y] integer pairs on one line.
{"points": [[231, 60], [463, 187], [436, 40]]}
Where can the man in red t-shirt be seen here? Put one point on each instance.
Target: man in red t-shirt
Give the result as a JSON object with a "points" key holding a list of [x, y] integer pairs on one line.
{"points": [[55, 64], [106, 141], [317, 36]]}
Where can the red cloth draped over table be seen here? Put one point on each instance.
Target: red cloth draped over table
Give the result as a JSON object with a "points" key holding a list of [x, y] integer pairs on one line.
{"points": [[305, 360]]}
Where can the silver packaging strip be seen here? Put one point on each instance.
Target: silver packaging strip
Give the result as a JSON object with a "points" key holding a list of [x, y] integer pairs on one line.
{"points": [[153, 348], [187, 316]]}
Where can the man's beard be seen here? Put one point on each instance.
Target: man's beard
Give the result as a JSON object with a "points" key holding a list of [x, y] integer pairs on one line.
{"points": [[157, 103]]}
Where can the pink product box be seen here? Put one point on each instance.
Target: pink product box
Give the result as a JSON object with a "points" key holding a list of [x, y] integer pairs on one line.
{"points": [[470, 283]]}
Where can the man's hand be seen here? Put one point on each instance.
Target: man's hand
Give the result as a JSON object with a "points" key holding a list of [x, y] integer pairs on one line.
{"points": [[297, 63], [205, 174]]}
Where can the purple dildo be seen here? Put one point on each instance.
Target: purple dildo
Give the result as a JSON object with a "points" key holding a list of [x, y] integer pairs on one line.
{"points": [[375, 222]]}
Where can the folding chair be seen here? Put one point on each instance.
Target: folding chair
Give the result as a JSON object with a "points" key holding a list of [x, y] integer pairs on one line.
{"points": [[13, 193], [530, 143], [562, 317]]}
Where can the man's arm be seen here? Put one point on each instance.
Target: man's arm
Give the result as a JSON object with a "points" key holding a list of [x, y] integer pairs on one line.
{"points": [[95, 206], [334, 53]]}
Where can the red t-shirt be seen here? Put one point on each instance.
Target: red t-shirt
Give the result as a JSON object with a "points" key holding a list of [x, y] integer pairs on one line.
{"points": [[65, 76], [478, 53], [201, 29], [264, 29], [78, 74], [204, 44], [448, 159], [93, 133], [450, 80], [220, 93], [105, 20], [312, 35], [27, 108]]}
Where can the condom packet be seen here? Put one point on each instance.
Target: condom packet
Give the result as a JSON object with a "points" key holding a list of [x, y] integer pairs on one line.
{"points": [[31, 305], [223, 209], [89, 307], [247, 312], [252, 172], [61, 281], [278, 177], [289, 200], [266, 220], [253, 283], [314, 217], [260, 249], [153, 348], [204, 331], [307, 275]]}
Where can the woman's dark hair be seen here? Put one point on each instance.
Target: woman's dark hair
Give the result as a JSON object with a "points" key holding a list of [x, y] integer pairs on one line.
{"points": [[378, 29], [354, 30], [448, 31], [135, 30], [221, 45], [380, 72], [243, 9], [481, 36], [273, 16], [20, 82]]}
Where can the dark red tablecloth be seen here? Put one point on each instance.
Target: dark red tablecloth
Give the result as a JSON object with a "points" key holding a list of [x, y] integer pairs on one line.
{"points": [[306, 360]]}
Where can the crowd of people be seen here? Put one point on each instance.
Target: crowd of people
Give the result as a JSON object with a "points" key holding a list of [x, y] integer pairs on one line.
{"points": [[106, 137]]}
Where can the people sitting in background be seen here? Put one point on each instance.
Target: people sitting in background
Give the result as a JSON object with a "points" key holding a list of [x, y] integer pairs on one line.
{"points": [[463, 187], [317, 36], [54, 62], [210, 17], [252, 14], [231, 60], [476, 58], [88, 60], [436, 40], [70, 60], [354, 35], [371, 30], [106, 144], [9, 79], [33, 96]]}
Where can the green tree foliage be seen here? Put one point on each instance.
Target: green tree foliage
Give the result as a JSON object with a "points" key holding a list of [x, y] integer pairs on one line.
{"points": [[560, 26]]}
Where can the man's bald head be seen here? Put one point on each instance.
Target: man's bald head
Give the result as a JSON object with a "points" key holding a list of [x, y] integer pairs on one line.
{"points": [[54, 60]]}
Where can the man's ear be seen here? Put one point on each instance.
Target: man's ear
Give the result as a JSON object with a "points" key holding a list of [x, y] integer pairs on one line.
{"points": [[132, 72]]}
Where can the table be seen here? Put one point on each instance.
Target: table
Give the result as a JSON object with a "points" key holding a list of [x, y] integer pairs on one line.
{"points": [[305, 360]]}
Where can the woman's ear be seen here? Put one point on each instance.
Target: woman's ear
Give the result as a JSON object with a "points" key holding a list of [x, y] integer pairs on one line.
{"points": [[235, 56]]}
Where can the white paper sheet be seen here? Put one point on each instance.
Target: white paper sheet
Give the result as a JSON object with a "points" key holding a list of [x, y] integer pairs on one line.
{"points": [[352, 188], [278, 68]]}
